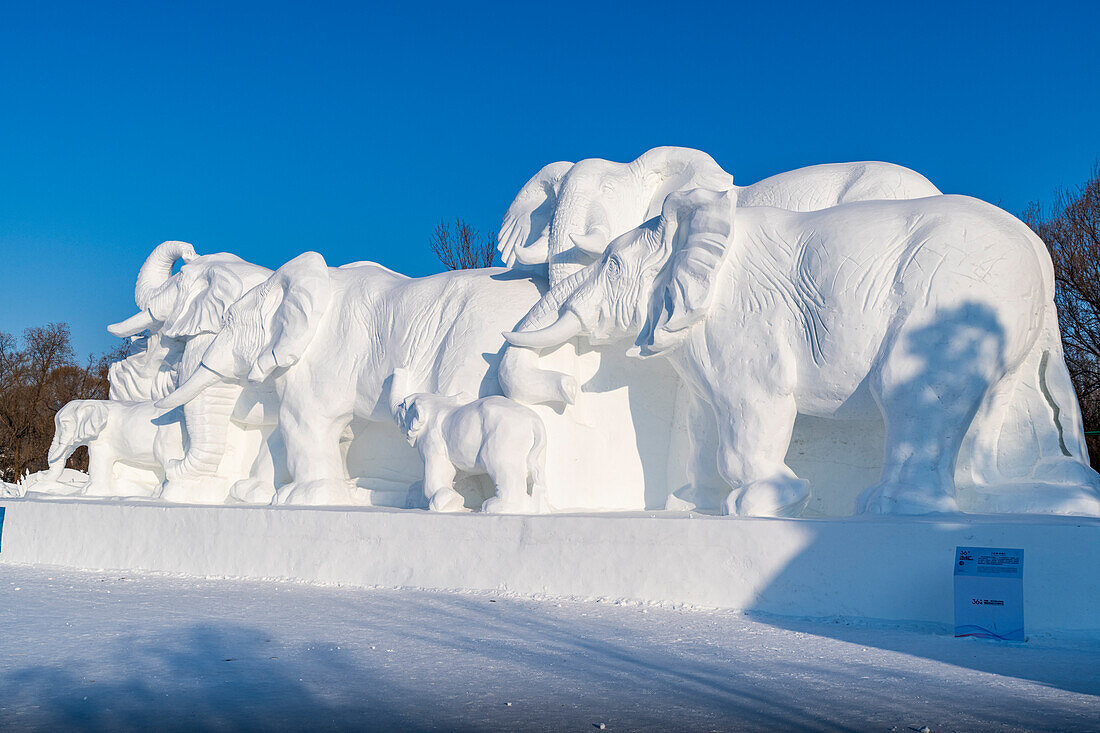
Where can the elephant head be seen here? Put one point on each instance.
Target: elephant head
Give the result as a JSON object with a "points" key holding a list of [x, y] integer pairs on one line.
{"points": [[567, 214], [75, 424], [265, 331], [192, 301], [188, 306], [652, 283]]}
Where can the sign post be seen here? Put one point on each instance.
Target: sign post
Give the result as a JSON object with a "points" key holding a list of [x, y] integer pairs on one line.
{"points": [[989, 593]]}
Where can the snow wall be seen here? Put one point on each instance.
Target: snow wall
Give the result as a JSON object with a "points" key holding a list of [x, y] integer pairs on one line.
{"points": [[865, 568]]}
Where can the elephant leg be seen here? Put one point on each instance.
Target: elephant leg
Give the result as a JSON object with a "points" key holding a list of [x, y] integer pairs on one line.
{"points": [[751, 396], [315, 461], [754, 433], [259, 486], [511, 496], [928, 401], [101, 466], [439, 482], [692, 470]]}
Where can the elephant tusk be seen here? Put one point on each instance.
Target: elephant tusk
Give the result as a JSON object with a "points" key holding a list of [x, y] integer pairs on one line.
{"points": [[594, 242], [566, 327], [203, 377], [536, 253], [133, 325]]}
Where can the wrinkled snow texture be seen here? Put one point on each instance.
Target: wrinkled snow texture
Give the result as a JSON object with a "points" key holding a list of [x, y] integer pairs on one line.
{"points": [[111, 651]]}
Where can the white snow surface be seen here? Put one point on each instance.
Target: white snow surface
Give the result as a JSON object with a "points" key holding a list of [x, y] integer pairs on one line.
{"points": [[127, 651]]}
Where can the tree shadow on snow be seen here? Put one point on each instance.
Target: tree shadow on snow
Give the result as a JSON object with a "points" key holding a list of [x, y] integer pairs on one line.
{"points": [[207, 677], [863, 561]]}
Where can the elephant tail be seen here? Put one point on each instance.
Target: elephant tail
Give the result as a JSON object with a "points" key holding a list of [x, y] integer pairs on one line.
{"points": [[536, 467], [1030, 428]]}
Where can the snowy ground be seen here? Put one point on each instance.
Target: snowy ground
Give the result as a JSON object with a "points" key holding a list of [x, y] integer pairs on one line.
{"points": [[100, 651]]}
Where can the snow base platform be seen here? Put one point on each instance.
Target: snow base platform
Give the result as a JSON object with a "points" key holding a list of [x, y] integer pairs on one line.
{"points": [[893, 569]]}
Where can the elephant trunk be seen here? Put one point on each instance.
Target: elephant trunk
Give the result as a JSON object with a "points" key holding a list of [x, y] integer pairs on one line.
{"points": [[133, 325], [580, 228], [549, 306], [206, 418], [520, 375], [158, 268], [58, 457]]}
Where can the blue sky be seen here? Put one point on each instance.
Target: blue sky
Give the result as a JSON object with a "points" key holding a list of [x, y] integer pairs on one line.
{"points": [[267, 129]]}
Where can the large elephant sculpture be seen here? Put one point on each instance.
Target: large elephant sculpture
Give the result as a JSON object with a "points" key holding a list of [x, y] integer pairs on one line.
{"points": [[929, 312], [566, 215], [186, 309], [329, 339]]}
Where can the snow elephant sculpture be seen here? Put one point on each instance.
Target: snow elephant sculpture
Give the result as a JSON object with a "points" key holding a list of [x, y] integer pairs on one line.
{"points": [[930, 312], [571, 212], [568, 213], [493, 435], [329, 339], [135, 433], [187, 308]]}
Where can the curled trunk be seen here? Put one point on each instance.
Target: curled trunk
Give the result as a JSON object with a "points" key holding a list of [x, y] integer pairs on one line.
{"points": [[158, 268]]}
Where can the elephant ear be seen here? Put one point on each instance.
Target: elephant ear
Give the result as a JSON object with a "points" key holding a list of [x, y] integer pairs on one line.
{"points": [[530, 215], [293, 301], [218, 290], [414, 418], [667, 170], [697, 228], [407, 416], [91, 420]]}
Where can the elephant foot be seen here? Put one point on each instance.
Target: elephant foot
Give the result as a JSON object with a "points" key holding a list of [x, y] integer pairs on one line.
{"points": [[415, 499], [1031, 497], [888, 497], [500, 505], [541, 503], [199, 490], [780, 495], [322, 492], [446, 500], [677, 504], [1065, 470], [253, 491]]}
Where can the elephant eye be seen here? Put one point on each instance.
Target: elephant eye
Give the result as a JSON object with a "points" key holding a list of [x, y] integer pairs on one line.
{"points": [[614, 268]]}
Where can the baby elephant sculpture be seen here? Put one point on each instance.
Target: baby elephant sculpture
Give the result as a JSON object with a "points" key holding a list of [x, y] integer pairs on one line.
{"points": [[115, 431], [493, 436]]}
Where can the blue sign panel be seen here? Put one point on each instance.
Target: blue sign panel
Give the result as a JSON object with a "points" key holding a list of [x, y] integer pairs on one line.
{"points": [[989, 593]]}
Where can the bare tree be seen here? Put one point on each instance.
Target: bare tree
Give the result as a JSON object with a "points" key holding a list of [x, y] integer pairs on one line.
{"points": [[35, 382], [1071, 230], [463, 248]]}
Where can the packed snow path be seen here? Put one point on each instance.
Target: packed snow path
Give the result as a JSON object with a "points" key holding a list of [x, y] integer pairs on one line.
{"points": [[110, 651]]}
